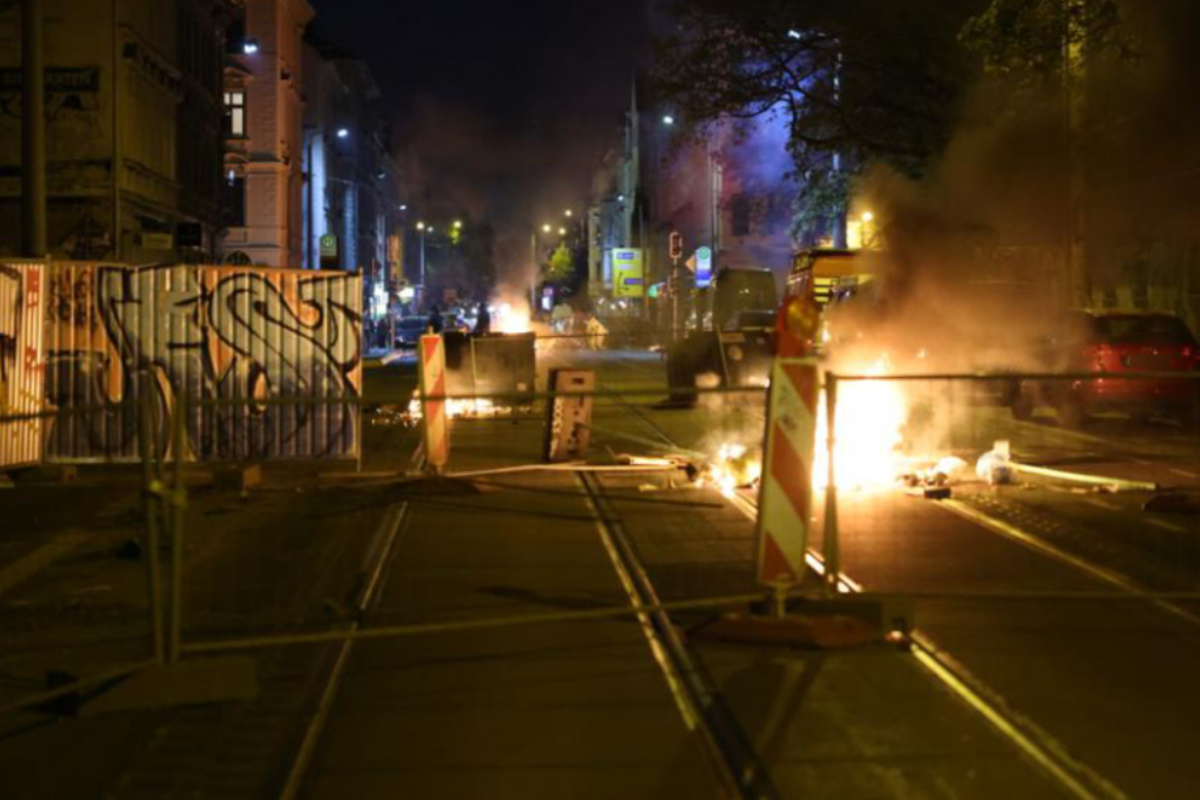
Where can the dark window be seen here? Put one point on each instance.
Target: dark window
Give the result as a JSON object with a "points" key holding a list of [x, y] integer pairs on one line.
{"points": [[235, 35], [740, 211], [235, 202]]}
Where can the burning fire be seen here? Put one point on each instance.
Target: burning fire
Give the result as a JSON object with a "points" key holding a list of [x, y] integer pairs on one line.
{"points": [[867, 443], [511, 317], [733, 468], [457, 408]]}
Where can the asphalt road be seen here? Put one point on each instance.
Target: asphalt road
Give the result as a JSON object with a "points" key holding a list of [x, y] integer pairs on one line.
{"points": [[1062, 639], [1060, 676]]}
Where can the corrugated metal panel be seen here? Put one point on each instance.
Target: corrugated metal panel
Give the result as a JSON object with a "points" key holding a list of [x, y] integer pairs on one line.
{"points": [[216, 334], [22, 384]]}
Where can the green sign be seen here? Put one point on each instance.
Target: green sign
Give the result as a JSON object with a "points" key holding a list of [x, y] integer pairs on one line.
{"points": [[329, 246], [628, 278]]}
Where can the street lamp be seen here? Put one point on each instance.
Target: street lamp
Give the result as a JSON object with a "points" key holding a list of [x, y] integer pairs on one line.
{"points": [[342, 133], [458, 224], [562, 231], [668, 119], [404, 207], [569, 213], [546, 228], [421, 230]]}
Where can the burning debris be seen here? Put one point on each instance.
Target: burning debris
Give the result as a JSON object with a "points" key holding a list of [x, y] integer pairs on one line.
{"points": [[458, 409], [735, 466]]}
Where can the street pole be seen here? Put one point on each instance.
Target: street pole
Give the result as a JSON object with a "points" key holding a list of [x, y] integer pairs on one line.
{"points": [[533, 259], [33, 131], [422, 300]]}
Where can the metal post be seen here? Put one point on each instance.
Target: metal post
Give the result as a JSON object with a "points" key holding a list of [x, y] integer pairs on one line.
{"points": [[151, 501], [832, 556], [422, 301], [117, 154], [33, 131], [178, 504], [533, 275]]}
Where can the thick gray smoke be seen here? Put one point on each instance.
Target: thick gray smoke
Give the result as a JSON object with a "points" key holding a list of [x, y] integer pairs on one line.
{"points": [[975, 262]]}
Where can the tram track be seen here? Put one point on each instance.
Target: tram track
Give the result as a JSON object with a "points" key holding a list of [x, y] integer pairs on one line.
{"points": [[699, 701], [1075, 778]]}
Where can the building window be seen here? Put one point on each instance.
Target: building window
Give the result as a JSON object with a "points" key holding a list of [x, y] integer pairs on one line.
{"points": [[235, 202], [235, 114], [740, 211]]}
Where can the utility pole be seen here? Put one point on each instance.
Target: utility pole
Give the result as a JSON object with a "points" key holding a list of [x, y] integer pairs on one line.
{"points": [[1078, 286], [33, 131]]}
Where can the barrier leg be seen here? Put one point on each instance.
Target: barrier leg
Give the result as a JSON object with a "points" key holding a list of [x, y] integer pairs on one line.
{"points": [[832, 555], [178, 506], [151, 502]]}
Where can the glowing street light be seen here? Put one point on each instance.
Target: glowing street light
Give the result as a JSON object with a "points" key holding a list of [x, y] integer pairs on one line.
{"points": [[546, 229], [404, 207], [562, 231], [569, 213], [420, 226], [668, 119], [342, 133], [250, 47], [868, 216], [458, 224]]}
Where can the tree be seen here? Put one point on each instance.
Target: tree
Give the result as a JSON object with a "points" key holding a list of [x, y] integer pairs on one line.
{"points": [[561, 267], [1027, 39], [858, 81]]}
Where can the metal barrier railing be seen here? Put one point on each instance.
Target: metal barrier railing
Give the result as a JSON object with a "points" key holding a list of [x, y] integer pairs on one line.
{"points": [[965, 429]]}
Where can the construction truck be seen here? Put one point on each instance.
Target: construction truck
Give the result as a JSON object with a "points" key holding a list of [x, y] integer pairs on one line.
{"points": [[736, 347]]}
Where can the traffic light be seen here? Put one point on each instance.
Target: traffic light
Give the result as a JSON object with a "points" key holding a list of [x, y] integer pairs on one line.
{"points": [[676, 249]]}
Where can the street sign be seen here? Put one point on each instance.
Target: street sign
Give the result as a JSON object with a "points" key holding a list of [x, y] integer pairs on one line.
{"points": [[628, 277], [329, 246], [703, 267], [158, 241]]}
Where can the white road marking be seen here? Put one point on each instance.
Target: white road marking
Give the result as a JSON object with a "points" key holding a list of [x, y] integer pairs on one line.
{"points": [[1018, 729], [1184, 473], [1167, 526], [1045, 548], [39, 559], [1107, 506]]}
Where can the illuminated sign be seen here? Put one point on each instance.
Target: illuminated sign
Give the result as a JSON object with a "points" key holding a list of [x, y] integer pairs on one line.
{"points": [[628, 277], [703, 259]]}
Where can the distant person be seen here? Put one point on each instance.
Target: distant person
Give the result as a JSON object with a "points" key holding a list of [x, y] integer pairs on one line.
{"points": [[483, 320], [434, 325]]}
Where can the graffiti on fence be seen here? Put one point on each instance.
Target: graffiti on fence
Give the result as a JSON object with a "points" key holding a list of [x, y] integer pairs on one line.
{"points": [[212, 336], [21, 376]]}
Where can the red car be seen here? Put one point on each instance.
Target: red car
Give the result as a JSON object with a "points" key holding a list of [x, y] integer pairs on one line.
{"points": [[1116, 342]]}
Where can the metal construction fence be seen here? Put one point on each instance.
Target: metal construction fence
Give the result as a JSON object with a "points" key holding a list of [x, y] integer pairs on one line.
{"points": [[1099, 472], [1078, 484], [86, 330]]}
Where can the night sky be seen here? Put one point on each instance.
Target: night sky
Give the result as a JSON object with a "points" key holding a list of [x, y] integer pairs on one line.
{"points": [[506, 106]]}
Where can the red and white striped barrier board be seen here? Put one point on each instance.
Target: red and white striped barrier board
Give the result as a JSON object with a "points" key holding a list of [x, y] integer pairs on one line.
{"points": [[785, 491], [433, 412]]}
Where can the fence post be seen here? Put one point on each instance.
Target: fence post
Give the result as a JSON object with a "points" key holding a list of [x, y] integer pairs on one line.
{"points": [[150, 499], [832, 555], [178, 505]]}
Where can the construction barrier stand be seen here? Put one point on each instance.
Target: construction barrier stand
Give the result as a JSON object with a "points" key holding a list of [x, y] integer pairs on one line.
{"points": [[433, 412], [785, 491]]}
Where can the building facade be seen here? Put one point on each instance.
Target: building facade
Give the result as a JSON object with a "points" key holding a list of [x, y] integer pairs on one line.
{"points": [[353, 189], [264, 105], [133, 164]]}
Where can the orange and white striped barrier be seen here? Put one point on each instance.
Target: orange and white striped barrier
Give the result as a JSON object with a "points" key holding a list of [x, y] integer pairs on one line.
{"points": [[785, 490], [433, 412]]}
